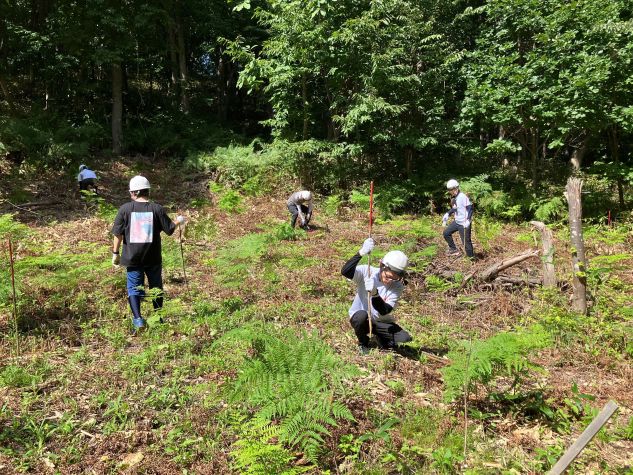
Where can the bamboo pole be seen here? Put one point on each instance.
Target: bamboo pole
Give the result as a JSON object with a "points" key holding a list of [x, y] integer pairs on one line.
{"points": [[589, 433]]}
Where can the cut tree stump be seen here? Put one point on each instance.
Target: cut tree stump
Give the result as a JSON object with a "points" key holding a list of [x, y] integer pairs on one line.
{"points": [[579, 262], [549, 273]]}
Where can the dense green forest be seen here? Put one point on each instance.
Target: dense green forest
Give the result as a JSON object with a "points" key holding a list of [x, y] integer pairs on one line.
{"points": [[251, 367], [401, 91]]}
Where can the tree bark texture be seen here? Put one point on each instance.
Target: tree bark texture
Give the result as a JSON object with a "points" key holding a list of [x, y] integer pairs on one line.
{"points": [[549, 273], [182, 66], [117, 108], [579, 263]]}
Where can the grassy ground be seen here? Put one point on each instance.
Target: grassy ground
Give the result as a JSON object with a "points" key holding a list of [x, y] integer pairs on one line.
{"points": [[255, 368]]}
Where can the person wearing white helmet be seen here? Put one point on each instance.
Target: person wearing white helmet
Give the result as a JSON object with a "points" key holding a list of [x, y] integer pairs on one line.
{"points": [[137, 226], [462, 209], [386, 284], [86, 178], [300, 205]]}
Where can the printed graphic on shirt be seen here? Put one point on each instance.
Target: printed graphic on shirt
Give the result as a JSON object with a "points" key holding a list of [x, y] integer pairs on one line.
{"points": [[142, 227]]}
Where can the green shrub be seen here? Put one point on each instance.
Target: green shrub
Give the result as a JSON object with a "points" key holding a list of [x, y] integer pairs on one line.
{"points": [[502, 355], [291, 382], [331, 205], [550, 210]]}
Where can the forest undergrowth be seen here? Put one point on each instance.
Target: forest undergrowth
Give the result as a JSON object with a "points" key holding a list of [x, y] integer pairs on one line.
{"points": [[255, 367]]}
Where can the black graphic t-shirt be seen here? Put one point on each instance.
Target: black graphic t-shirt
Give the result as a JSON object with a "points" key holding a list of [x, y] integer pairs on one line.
{"points": [[140, 223]]}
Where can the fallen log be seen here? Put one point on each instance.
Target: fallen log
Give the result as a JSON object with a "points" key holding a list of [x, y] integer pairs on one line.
{"points": [[493, 271], [504, 279]]}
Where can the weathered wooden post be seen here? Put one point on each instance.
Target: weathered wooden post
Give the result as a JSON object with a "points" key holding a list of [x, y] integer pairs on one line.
{"points": [[579, 263], [549, 273]]}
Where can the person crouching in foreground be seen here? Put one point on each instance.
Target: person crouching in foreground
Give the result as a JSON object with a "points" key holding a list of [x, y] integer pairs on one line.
{"points": [[386, 284]]}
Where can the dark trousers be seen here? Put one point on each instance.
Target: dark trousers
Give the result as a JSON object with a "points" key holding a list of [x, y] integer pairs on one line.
{"points": [[294, 211], [87, 184], [388, 334], [464, 234]]}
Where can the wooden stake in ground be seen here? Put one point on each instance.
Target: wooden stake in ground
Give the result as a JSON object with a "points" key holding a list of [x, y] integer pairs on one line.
{"points": [[549, 273], [16, 334], [371, 219], [592, 429], [579, 263]]}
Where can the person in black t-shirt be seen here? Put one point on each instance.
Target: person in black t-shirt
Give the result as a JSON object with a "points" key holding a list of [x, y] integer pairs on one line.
{"points": [[138, 225]]}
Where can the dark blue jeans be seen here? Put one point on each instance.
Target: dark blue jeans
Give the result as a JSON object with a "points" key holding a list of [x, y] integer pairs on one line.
{"points": [[136, 291], [464, 234]]}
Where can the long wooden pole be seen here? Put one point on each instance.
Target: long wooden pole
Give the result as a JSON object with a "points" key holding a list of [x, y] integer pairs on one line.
{"points": [[371, 220], [16, 334], [592, 429]]}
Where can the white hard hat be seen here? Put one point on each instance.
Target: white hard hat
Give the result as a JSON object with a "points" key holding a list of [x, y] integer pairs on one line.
{"points": [[396, 261], [139, 183], [452, 184], [306, 195], [82, 167]]}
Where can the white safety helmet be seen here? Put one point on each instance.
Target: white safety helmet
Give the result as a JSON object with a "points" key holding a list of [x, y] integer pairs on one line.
{"points": [[139, 183], [396, 261], [306, 195], [82, 167], [452, 184]]}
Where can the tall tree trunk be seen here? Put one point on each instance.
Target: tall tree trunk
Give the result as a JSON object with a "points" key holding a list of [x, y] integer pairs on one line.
{"points": [[7, 94], [173, 57], [614, 145], [183, 74], [117, 108], [579, 263], [304, 99], [578, 155], [534, 155], [223, 66]]}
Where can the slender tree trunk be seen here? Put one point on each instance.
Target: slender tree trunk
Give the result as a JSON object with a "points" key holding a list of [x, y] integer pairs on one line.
{"points": [[534, 155], [7, 94], [578, 154], [117, 108], [183, 74], [614, 145], [579, 263], [173, 57], [304, 99], [549, 273]]}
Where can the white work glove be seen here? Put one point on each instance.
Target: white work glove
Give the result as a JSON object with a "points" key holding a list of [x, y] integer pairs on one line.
{"points": [[466, 224], [370, 285], [368, 246], [445, 219], [116, 259], [180, 219]]}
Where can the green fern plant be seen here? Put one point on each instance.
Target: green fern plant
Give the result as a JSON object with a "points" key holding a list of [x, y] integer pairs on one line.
{"points": [[482, 362], [550, 210], [293, 382], [254, 454]]}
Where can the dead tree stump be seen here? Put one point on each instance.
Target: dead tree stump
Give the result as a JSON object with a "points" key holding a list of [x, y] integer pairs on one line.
{"points": [[579, 263], [549, 273]]}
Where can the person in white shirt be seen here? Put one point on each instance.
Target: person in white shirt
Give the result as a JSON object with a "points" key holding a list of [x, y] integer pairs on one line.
{"points": [[86, 178], [300, 205], [385, 283], [463, 211]]}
